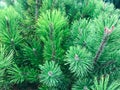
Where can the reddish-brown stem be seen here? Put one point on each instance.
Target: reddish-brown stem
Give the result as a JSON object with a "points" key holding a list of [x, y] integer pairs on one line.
{"points": [[104, 40], [107, 32]]}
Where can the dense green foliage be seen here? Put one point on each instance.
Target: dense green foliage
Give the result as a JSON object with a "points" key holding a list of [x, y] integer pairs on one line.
{"points": [[59, 45]]}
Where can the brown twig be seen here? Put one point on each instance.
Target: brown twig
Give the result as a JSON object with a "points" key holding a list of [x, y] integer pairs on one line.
{"points": [[107, 32]]}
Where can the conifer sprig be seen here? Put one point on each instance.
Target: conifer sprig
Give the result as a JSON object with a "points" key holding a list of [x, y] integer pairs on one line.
{"points": [[50, 74], [80, 61]]}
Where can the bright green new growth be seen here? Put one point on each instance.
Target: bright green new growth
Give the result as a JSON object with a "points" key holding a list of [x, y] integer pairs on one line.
{"points": [[9, 31], [80, 31], [32, 52], [51, 74], [80, 61], [6, 59], [19, 75], [52, 31], [82, 84], [103, 84], [15, 74]]}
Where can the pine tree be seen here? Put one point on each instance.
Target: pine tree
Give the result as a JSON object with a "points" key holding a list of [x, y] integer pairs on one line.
{"points": [[59, 45]]}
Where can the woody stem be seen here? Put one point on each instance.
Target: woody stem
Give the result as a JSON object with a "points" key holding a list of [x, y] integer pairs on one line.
{"points": [[101, 48]]}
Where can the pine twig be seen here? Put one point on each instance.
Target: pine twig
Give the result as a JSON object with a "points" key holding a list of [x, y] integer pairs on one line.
{"points": [[7, 24], [108, 63], [52, 37], [36, 9], [107, 32], [105, 37]]}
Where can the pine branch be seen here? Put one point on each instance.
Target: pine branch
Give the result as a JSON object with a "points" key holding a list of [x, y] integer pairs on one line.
{"points": [[35, 52], [104, 40], [8, 28], [7, 25], [52, 37], [36, 9], [111, 62], [108, 63], [13, 45], [9, 32], [107, 32]]}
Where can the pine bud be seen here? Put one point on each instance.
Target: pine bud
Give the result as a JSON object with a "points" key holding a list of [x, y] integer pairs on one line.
{"points": [[112, 28], [80, 4], [85, 88], [12, 40], [76, 57], [6, 18], [108, 31], [7, 21], [50, 73], [34, 49]]}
